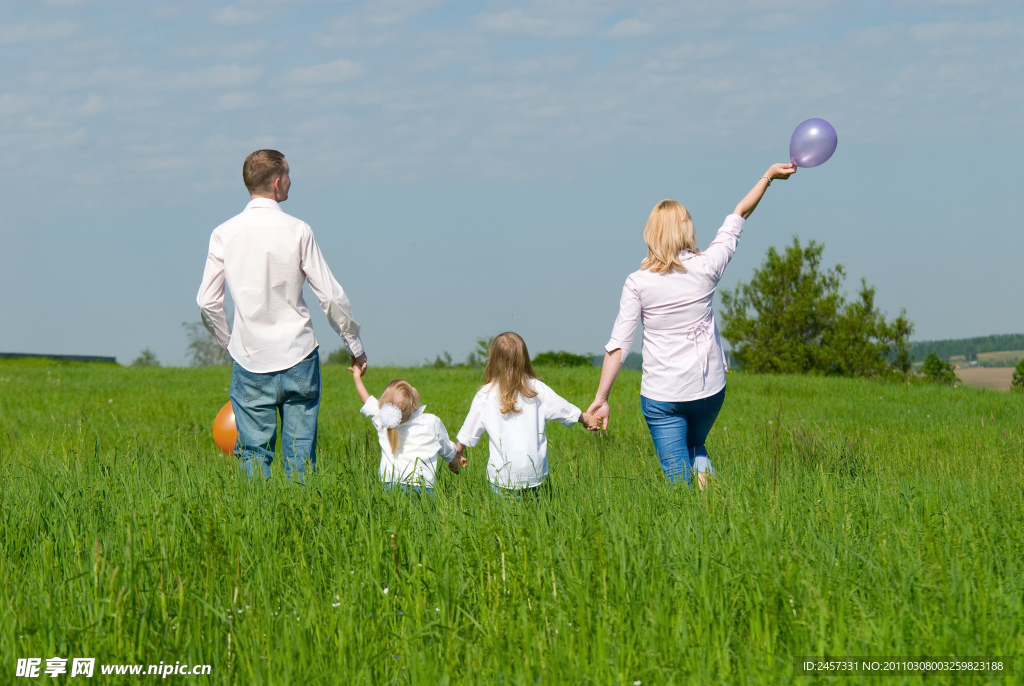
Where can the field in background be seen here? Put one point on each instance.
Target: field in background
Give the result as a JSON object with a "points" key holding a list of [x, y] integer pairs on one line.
{"points": [[996, 378], [1008, 358], [848, 518]]}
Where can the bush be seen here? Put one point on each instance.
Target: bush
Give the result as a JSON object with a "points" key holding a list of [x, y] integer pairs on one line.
{"points": [[1018, 377], [203, 349], [792, 318], [562, 359], [339, 356], [937, 370], [443, 361], [147, 358]]}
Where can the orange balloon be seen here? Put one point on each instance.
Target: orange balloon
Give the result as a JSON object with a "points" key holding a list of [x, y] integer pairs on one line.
{"points": [[224, 430]]}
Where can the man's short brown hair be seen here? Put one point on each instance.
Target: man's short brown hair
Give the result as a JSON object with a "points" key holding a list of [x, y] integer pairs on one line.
{"points": [[261, 168]]}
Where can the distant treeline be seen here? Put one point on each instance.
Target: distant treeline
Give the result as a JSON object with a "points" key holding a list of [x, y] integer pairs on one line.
{"points": [[968, 347], [58, 358]]}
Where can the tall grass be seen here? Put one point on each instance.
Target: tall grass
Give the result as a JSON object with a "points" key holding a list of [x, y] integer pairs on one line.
{"points": [[848, 518]]}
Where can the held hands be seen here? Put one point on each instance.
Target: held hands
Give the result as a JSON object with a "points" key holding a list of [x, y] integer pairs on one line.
{"points": [[598, 411], [459, 461], [357, 378], [591, 421], [359, 362]]}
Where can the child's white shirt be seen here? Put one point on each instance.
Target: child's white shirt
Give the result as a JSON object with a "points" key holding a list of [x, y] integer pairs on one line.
{"points": [[420, 440], [518, 443]]}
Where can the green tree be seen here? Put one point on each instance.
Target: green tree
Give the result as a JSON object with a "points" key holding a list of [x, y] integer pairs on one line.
{"points": [[478, 357], [1018, 377], [937, 369], [339, 356], [146, 358], [562, 359], [443, 362], [203, 349], [792, 318]]}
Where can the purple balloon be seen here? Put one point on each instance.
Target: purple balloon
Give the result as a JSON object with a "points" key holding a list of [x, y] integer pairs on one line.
{"points": [[812, 143]]}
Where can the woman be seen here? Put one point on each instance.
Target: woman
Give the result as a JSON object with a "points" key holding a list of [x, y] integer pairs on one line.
{"points": [[683, 384]]}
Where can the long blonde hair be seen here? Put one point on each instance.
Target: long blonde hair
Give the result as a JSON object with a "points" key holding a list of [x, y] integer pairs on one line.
{"points": [[669, 231], [509, 368], [399, 394]]}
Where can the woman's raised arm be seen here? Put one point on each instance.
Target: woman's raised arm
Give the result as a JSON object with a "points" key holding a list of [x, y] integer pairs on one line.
{"points": [[776, 171]]}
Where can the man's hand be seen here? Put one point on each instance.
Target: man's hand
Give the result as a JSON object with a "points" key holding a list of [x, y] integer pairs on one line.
{"points": [[359, 362], [454, 465]]}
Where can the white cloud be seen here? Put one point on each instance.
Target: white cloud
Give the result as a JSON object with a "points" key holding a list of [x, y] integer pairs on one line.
{"points": [[236, 15], [322, 74], [631, 28], [36, 32], [93, 105], [389, 12], [17, 103], [218, 76], [519, 21], [238, 100], [960, 32], [245, 51]]}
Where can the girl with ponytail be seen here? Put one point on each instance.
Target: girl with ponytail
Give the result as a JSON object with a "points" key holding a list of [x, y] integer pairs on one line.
{"points": [[410, 439]]}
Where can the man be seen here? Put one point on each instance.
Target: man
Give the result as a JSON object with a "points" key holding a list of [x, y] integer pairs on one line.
{"points": [[264, 256]]}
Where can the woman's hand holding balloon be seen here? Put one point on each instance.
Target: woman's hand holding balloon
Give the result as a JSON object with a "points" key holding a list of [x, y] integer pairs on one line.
{"points": [[782, 170]]}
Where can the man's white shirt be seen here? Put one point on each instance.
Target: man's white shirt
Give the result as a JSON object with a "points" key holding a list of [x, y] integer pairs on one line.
{"points": [[264, 255]]}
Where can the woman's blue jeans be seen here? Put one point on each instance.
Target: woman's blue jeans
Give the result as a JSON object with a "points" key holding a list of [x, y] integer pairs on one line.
{"points": [[679, 431], [258, 399]]}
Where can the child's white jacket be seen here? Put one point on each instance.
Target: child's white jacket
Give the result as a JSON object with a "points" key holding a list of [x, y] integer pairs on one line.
{"points": [[420, 440], [518, 443]]}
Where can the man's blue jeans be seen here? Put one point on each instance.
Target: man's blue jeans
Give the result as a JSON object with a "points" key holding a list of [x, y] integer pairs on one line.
{"points": [[679, 431], [258, 399]]}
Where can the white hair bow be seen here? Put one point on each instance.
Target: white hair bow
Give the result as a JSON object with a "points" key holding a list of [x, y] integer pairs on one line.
{"points": [[390, 416]]}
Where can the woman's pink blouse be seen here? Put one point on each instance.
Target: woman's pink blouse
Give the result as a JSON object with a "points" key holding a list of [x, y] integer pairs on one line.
{"points": [[682, 349]]}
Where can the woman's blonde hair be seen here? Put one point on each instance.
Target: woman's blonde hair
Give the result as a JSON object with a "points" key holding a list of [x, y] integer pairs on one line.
{"points": [[509, 368], [669, 231], [399, 394]]}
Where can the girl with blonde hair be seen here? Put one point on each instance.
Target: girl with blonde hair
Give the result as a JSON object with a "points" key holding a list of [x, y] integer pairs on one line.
{"points": [[512, 407], [410, 439], [683, 383]]}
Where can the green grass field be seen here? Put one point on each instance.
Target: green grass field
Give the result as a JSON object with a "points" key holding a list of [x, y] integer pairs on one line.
{"points": [[848, 518]]}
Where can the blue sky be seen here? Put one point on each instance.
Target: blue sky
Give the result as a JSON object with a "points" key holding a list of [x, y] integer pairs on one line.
{"points": [[472, 167]]}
